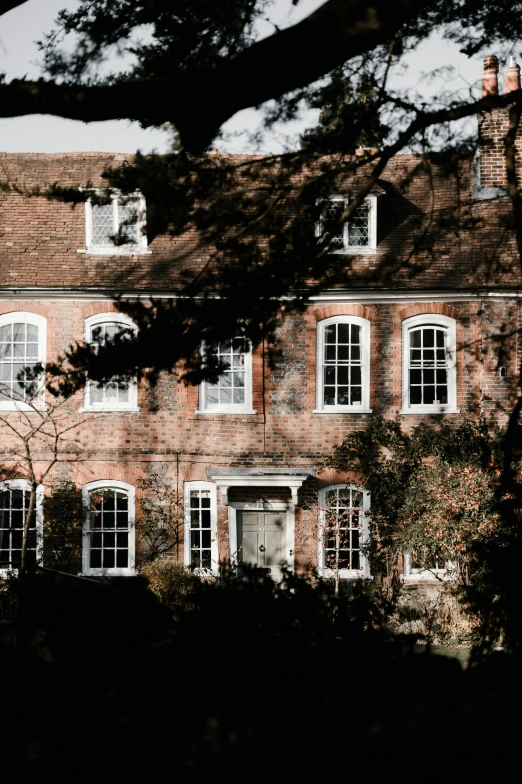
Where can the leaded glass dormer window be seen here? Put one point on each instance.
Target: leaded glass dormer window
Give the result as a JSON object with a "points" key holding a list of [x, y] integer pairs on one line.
{"points": [[333, 229], [116, 226], [357, 234], [359, 226]]}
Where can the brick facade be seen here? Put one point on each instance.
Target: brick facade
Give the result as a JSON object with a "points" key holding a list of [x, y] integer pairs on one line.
{"points": [[466, 270]]}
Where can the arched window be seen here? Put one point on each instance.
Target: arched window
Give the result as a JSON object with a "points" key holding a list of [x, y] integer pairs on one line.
{"points": [[343, 531], [22, 349], [109, 533], [429, 364], [117, 393], [201, 550], [14, 506], [343, 364]]}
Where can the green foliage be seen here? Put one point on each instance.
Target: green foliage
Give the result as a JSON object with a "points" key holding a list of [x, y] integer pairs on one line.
{"points": [[448, 507], [349, 117], [435, 490]]}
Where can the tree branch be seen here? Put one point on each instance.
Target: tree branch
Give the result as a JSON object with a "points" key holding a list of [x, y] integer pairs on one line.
{"points": [[8, 5], [198, 103]]}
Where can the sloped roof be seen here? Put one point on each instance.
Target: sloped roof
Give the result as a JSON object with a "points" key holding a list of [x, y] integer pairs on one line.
{"points": [[430, 232]]}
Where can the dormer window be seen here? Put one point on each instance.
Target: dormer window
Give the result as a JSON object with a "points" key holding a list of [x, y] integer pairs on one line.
{"points": [[116, 226], [356, 235]]}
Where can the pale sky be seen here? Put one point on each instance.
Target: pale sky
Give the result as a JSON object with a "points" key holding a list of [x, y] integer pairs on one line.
{"points": [[19, 56]]}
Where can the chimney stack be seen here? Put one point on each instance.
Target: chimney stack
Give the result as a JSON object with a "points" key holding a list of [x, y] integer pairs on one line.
{"points": [[490, 76], [512, 76]]}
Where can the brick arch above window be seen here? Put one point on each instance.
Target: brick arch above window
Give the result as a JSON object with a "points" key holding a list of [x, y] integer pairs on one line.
{"points": [[106, 472], [24, 307], [343, 310], [331, 476], [97, 308], [422, 308]]}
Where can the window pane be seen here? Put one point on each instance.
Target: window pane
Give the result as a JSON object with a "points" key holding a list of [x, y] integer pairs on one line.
{"points": [[115, 391], [14, 505], [122, 559], [342, 528], [104, 523], [230, 386], [128, 213], [200, 533], [332, 232], [102, 216], [359, 226], [329, 334], [342, 367], [342, 335], [427, 385], [17, 356]]}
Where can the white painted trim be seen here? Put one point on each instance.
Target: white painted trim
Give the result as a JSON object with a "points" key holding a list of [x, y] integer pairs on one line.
{"points": [[277, 506], [450, 325], [24, 484], [344, 574], [107, 484], [125, 321], [365, 366], [360, 296], [263, 480], [213, 412], [41, 322], [214, 549], [410, 575], [116, 250], [342, 410], [228, 408]]}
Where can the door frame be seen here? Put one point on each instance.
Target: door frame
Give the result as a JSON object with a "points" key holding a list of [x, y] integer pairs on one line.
{"points": [[279, 506]]}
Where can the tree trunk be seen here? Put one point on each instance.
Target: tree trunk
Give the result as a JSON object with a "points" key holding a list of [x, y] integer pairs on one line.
{"points": [[27, 526]]}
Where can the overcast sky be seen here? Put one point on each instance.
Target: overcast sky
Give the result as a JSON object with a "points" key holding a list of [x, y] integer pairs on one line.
{"points": [[19, 56]]}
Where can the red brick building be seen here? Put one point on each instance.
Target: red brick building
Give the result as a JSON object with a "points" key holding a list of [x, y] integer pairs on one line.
{"points": [[428, 326]]}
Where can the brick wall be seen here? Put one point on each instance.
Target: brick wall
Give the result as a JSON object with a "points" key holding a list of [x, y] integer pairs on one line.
{"points": [[285, 432]]}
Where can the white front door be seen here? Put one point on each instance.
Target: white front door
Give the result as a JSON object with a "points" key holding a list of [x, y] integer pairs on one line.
{"points": [[262, 541]]}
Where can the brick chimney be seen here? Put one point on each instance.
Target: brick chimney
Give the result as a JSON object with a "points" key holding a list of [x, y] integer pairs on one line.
{"points": [[489, 170], [490, 76], [512, 76]]}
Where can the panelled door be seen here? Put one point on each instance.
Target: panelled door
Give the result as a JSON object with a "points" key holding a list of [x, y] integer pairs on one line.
{"points": [[262, 540]]}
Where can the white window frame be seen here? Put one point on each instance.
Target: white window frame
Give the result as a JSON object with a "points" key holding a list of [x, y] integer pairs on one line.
{"points": [[450, 326], [228, 408], [410, 574], [139, 247], [214, 550], [24, 484], [364, 406], [108, 484], [371, 199], [96, 321], [40, 322], [344, 574]]}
